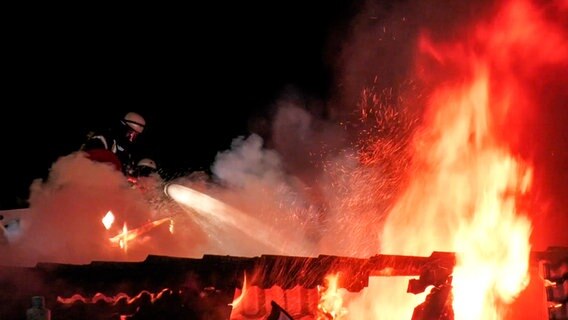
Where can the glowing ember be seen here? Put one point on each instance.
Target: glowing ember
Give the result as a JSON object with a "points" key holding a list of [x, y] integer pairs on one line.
{"points": [[112, 299], [108, 220], [331, 300]]}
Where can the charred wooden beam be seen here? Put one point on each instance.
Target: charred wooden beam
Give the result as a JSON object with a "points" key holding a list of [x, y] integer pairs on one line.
{"points": [[207, 285]]}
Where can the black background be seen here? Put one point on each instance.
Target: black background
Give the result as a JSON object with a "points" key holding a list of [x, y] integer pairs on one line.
{"points": [[199, 74]]}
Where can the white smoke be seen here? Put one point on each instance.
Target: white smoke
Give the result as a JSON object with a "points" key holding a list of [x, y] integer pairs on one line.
{"points": [[64, 220], [304, 183], [307, 188], [248, 163]]}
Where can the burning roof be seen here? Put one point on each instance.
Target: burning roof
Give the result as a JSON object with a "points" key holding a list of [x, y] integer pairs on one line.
{"points": [[163, 287]]}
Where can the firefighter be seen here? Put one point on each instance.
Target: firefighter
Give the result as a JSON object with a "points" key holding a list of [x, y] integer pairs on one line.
{"points": [[145, 168], [114, 145]]}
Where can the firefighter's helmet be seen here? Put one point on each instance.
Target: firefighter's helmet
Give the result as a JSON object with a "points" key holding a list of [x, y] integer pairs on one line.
{"points": [[135, 121], [146, 162], [135, 124]]}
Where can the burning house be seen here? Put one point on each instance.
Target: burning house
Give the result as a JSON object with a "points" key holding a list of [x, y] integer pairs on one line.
{"points": [[265, 287], [430, 214]]}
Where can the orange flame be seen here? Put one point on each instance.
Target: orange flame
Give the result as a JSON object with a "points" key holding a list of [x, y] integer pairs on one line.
{"points": [[108, 220], [126, 235], [490, 238], [240, 298], [330, 305], [466, 202], [466, 181], [123, 238]]}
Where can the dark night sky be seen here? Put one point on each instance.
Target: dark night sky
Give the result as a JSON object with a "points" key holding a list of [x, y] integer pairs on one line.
{"points": [[197, 74]]}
